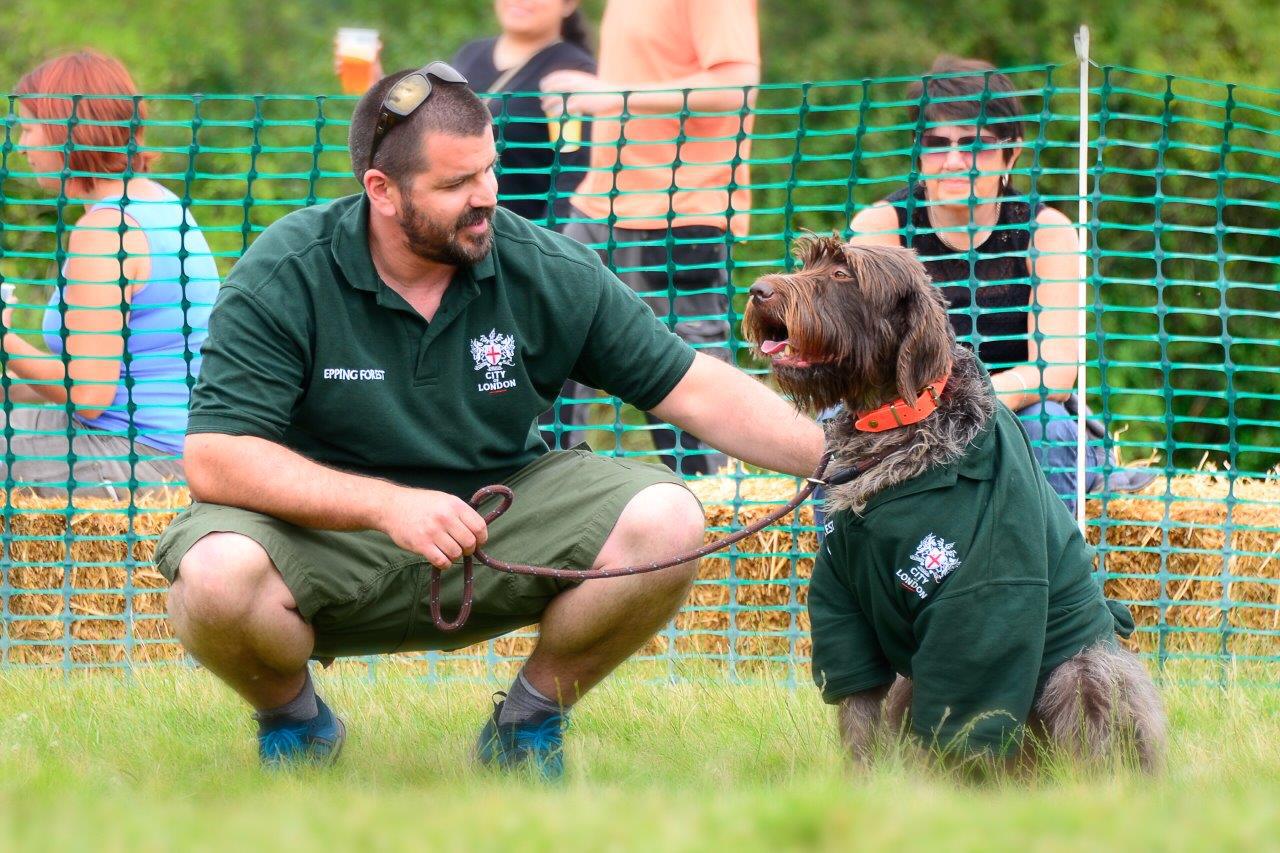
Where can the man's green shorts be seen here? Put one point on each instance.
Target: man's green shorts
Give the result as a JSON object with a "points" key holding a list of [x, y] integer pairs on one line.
{"points": [[364, 595]]}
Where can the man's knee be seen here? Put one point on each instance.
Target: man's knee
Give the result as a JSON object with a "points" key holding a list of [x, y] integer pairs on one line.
{"points": [[669, 509], [220, 578], [669, 519]]}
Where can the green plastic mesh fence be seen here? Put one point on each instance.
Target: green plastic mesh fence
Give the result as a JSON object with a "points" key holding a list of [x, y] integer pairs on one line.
{"points": [[689, 207]]}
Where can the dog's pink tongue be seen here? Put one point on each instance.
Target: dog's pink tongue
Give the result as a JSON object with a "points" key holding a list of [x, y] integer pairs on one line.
{"points": [[771, 347]]}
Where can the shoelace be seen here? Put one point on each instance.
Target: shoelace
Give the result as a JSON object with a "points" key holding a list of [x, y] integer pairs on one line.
{"points": [[547, 736], [281, 742]]}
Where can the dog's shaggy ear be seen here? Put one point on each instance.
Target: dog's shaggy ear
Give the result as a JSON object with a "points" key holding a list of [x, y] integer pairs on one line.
{"points": [[925, 348], [897, 290]]}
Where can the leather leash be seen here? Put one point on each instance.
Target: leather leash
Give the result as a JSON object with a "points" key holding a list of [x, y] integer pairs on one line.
{"points": [[506, 497]]}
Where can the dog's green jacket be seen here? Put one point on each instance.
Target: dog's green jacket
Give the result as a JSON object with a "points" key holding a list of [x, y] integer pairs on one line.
{"points": [[972, 580]]}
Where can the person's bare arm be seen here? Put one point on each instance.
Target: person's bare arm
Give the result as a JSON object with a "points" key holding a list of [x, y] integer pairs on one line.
{"points": [[21, 392], [94, 317], [592, 95], [1053, 332], [260, 475], [740, 416], [875, 226]]}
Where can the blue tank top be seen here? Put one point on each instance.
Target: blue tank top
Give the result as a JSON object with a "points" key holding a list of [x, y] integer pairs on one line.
{"points": [[167, 324]]}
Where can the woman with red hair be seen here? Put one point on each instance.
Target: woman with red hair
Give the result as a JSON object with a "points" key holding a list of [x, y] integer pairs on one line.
{"points": [[125, 323]]}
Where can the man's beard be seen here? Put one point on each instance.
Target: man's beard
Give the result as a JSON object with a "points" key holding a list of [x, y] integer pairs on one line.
{"points": [[442, 244]]}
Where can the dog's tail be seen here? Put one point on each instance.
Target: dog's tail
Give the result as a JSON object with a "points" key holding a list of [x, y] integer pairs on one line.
{"points": [[1103, 701]]}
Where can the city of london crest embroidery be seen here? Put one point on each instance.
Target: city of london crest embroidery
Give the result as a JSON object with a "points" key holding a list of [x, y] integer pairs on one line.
{"points": [[934, 559], [494, 353]]}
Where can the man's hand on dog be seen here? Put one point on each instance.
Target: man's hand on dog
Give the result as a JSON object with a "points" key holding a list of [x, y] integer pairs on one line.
{"points": [[436, 525]]}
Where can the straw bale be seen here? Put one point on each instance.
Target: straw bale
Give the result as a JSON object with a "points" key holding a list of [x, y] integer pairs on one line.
{"points": [[118, 593], [1198, 555], [1164, 551], [510, 646]]}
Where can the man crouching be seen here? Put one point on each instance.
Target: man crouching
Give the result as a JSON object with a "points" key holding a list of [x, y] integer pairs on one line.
{"points": [[371, 362], [953, 594]]}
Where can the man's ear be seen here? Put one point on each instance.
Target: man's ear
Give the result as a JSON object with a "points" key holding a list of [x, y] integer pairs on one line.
{"points": [[384, 195]]}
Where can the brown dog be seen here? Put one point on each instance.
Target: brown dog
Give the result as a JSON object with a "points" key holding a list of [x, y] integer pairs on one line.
{"points": [[953, 592]]}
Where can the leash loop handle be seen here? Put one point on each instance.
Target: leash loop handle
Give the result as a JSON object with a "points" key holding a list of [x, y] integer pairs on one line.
{"points": [[505, 497], [468, 591]]}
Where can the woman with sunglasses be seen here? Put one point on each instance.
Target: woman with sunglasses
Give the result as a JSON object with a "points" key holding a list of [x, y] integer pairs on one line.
{"points": [[1008, 268]]}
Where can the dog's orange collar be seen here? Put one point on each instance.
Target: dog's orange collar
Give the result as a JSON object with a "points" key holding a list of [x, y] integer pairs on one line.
{"points": [[900, 413]]}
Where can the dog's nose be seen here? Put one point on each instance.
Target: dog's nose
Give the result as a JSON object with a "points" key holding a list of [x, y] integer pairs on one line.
{"points": [[762, 291]]}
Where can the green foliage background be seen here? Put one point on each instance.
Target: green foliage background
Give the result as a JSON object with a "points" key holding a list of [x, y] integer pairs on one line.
{"points": [[242, 46], [1191, 304]]}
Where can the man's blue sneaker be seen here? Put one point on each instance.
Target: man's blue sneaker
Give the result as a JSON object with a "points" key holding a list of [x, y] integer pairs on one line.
{"points": [[539, 745], [316, 741]]}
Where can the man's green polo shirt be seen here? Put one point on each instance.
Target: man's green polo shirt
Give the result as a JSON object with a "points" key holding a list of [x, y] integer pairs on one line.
{"points": [[971, 579], [308, 347]]}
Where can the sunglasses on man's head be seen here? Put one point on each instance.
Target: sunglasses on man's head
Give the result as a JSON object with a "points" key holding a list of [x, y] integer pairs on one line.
{"points": [[409, 93]]}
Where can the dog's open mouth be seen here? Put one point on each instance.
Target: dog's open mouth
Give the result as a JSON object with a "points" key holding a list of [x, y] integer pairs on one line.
{"points": [[766, 326], [776, 345], [782, 354]]}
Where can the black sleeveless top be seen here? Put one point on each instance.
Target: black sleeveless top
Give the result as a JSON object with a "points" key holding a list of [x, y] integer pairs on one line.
{"points": [[998, 276]]}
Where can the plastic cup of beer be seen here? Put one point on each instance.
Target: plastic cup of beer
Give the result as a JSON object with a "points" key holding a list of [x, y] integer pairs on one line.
{"points": [[572, 131], [357, 52]]}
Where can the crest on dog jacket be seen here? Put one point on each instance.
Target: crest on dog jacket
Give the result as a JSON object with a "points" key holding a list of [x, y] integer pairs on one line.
{"points": [[971, 579]]}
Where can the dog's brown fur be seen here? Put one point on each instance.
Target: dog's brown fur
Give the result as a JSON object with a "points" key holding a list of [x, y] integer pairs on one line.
{"points": [[873, 329], [876, 329]]}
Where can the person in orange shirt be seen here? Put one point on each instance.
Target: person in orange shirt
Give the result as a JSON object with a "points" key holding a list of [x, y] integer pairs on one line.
{"points": [[662, 193]]}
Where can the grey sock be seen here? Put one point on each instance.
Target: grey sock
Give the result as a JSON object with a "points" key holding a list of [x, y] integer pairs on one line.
{"points": [[297, 710], [524, 704]]}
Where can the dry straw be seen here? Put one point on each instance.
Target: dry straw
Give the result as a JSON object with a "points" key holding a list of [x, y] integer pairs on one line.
{"points": [[1205, 567]]}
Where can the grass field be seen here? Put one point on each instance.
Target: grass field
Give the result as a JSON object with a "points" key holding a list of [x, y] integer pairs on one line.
{"points": [[164, 760]]}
